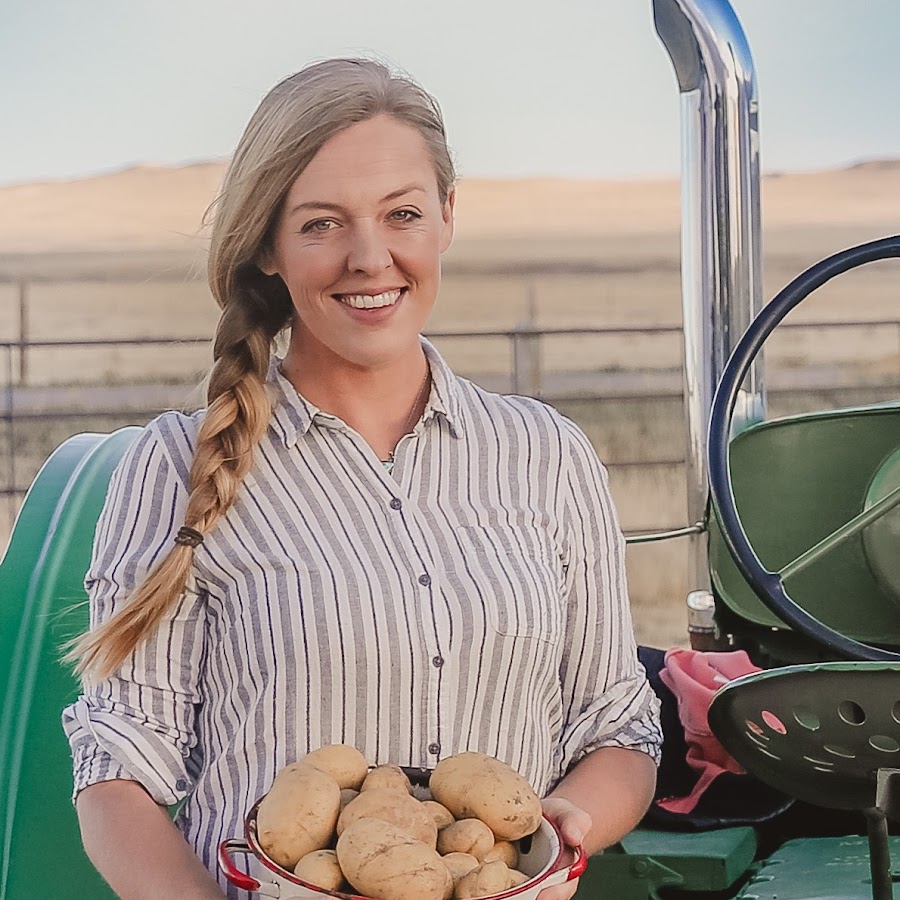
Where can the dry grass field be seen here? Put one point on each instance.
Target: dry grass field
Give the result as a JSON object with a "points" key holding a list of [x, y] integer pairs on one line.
{"points": [[136, 303], [121, 256]]}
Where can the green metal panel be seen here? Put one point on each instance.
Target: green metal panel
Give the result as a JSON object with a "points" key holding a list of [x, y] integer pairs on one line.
{"points": [[707, 860], [648, 860], [624, 877], [27, 539], [882, 539], [42, 605], [817, 869], [795, 481]]}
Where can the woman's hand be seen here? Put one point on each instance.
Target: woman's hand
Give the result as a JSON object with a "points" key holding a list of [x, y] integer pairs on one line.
{"points": [[573, 824]]}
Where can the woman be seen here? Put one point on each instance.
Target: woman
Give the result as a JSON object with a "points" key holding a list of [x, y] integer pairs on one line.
{"points": [[350, 544]]}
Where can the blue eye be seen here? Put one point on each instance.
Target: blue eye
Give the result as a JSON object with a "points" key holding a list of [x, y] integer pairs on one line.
{"points": [[320, 226], [405, 215]]}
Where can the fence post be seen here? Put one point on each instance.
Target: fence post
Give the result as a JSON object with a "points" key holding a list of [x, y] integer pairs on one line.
{"points": [[23, 332], [526, 360]]}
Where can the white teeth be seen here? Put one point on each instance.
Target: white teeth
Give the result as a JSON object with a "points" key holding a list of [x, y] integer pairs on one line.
{"points": [[366, 301]]}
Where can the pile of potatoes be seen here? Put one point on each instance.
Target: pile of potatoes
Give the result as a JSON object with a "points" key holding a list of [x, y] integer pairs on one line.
{"points": [[338, 825]]}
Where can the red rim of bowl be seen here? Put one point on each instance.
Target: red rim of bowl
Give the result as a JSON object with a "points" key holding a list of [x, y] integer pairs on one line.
{"points": [[260, 854]]}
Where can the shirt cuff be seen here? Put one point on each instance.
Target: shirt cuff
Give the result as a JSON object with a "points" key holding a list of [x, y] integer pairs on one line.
{"points": [[107, 745], [627, 716]]}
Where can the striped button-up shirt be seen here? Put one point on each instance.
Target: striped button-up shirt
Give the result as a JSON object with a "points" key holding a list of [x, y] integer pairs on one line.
{"points": [[472, 599]]}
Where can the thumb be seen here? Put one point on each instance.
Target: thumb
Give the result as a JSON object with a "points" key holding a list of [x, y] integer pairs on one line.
{"points": [[574, 825]]}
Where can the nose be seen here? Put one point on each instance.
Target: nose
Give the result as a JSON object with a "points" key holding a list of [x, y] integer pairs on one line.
{"points": [[369, 251]]}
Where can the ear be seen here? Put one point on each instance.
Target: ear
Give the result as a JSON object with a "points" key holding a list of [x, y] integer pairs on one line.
{"points": [[265, 262], [448, 225]]}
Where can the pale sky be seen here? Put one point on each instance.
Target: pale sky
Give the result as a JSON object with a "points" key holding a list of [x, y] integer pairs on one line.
{"points": [[570, 88]]}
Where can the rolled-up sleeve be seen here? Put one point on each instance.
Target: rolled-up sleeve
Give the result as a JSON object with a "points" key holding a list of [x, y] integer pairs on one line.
{"points": [[607, 699], [139, 723]]}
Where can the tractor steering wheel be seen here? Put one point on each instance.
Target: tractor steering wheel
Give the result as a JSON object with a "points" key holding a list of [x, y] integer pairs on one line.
{"points": [[769, 586]]}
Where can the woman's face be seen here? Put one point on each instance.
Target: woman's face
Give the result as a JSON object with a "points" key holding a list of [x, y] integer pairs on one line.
{"points": [[358, 244]]}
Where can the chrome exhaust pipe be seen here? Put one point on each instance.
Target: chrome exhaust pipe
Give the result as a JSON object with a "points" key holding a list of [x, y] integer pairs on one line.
{"points": [[720, 223]]}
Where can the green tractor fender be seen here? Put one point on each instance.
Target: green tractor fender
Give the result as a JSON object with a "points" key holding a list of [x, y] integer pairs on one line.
{"points": [[43, 605]]}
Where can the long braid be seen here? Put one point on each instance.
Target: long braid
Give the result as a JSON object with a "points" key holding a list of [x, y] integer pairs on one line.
{"points": [[237, 416]]}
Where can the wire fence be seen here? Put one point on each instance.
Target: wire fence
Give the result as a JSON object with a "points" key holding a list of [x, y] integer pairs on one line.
{"points": [[526, 373]]}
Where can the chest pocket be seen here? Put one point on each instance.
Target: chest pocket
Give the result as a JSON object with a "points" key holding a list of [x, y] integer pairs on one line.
{"points": [[517, 579]]}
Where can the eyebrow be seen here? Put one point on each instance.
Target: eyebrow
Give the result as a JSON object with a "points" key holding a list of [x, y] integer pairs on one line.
{"points": [[336, 207]]}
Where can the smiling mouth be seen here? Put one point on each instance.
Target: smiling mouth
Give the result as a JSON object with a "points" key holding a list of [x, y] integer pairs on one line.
{"points": [[370, 301]]}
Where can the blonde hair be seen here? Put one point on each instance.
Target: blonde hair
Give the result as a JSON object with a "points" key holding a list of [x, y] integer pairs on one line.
{"points": [[289, 127]]}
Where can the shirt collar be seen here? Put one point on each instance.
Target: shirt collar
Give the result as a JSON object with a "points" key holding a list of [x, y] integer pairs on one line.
{"points": [[293, 415], [445, 390]]}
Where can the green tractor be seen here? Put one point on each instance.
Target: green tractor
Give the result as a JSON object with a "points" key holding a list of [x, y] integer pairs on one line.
{"points": [[795, 559]]}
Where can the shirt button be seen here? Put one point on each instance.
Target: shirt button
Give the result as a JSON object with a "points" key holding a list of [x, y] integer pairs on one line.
{"points": [[434, 749], [396, 503], [438, 661], [425, 580], [181, 785]]}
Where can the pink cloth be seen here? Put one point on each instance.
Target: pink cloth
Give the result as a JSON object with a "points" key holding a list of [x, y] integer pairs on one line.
{"points": [[693, 677]]}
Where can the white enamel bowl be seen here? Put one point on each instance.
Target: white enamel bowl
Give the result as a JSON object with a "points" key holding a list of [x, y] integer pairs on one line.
{"points": [[542, 856]]}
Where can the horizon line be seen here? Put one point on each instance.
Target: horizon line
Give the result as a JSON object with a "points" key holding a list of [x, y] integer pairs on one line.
{"points": [[873, 162]]}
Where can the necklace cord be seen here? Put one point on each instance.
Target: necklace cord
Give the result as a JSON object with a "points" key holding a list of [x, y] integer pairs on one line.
{"points": [[411, 415]]}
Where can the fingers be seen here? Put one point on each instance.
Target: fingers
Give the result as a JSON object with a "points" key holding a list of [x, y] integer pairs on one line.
{"points": [[560, 892], [574, 826], [573, 823]]}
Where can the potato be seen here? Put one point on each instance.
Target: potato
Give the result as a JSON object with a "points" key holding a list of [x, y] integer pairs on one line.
{"points": [[473, 785], [321, 869], [517, 878], [298, 815], [503, 850], [345, 764], [488, 878], [449, 886], [348, 794], [388, 777], [391, 806], [382, 861], [470, 836], [441, 815], [460, 864]]}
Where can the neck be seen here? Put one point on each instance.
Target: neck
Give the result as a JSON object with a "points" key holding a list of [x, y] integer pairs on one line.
{"points": [[381, 403]]}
